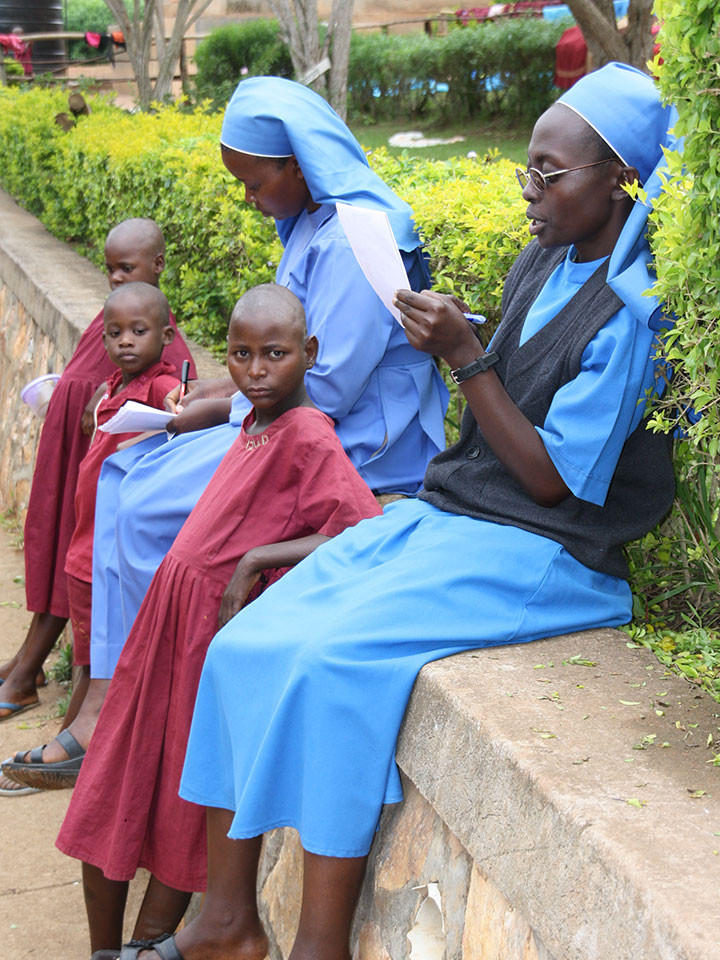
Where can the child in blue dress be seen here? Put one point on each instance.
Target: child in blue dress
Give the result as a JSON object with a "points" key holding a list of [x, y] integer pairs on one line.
{"points": [[517, 535]]}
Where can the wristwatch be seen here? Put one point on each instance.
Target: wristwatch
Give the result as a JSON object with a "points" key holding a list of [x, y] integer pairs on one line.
{"points": [[480, 365]]}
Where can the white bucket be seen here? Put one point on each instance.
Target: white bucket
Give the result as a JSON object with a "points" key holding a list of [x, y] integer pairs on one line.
{"points": [[37, 393]]}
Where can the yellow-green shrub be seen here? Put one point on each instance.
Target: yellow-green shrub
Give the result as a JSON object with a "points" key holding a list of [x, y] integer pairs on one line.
{"points": [[678, 567]]}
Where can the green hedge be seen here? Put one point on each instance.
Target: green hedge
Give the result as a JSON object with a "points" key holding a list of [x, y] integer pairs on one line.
{"points": [[166, 165], [237, 50], [502, 67], [494, 68], [680, 563]]}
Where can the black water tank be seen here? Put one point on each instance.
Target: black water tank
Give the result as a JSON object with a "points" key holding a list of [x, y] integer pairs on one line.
{"points": [[37, 16]]}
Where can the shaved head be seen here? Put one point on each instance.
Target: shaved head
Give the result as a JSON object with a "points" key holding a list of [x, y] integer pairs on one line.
{"points": [[139, 232], [270, 299], [149, 299]]}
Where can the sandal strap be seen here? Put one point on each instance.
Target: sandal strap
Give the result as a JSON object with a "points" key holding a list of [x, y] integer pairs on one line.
{"points": [[35, 755], [167, 949], [164, 946], [70, 745]]}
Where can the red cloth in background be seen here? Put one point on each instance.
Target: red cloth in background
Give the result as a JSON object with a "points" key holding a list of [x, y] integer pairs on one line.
{"points": [[521, 8], [291, 481], [654, 31], [150, 387], [570, 58], [51, 512], [20, 50]]}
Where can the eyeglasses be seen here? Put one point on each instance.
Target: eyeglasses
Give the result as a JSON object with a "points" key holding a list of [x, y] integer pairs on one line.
{"points": [[540, 180]]}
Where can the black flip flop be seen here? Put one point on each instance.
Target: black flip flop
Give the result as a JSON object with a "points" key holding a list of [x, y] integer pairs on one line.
{"points": [[47, 776]]}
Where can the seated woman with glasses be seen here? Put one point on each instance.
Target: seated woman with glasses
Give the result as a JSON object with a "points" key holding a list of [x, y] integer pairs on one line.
{"points": [[516, 535]]}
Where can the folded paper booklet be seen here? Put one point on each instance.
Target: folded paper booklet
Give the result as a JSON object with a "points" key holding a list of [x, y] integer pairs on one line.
{"points": [[134, 417]]}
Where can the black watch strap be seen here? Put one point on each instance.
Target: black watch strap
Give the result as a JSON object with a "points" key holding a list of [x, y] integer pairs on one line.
{"points": [[480, 365]]}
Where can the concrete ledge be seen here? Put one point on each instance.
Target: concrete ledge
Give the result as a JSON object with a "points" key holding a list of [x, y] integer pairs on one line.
{"points": [[530, 761], [60, 290]]}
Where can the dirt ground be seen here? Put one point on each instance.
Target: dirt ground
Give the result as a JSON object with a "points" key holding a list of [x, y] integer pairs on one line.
{"points": [[42, 915]]}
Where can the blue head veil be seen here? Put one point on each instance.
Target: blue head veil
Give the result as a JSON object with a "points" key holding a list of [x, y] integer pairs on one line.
{"points": [[273, 117], [623, 106]]}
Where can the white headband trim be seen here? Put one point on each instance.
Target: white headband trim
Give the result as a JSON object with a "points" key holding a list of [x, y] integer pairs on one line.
{"points": [[590, 124], [253, 153]]}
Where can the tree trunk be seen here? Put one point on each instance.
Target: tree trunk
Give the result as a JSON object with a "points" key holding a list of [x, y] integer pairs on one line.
{"points": [[299, 30], [139, 35], [596, 19], [639, 39], [337, 47]]}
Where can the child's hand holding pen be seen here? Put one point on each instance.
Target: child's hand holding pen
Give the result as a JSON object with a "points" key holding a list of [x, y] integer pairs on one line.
{"points": [[184, 380], [218, 388], [183, 391]]}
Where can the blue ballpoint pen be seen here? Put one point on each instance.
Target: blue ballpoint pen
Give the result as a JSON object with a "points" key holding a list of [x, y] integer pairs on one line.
{"points": [[475, 318]]}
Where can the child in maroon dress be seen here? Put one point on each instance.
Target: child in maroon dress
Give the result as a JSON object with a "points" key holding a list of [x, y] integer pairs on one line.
{"points": [[283, 488], [136, 331], [134, 250]]}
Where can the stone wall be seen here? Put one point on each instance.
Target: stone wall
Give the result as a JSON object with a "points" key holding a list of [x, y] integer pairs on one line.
{"points": [[561, 804], [562, 800], [48, 296]]}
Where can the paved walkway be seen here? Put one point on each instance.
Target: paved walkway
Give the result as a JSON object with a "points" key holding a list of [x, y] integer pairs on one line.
{"points": [[42, 914]]}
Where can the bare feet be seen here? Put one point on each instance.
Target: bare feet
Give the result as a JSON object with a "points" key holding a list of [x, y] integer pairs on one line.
{"points": [[7, 668], [20, 694], [9, 788]]}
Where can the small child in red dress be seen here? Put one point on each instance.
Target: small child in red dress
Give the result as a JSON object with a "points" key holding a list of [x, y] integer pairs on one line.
{"points": [[283, 488], [134, 250], [136, 331]]}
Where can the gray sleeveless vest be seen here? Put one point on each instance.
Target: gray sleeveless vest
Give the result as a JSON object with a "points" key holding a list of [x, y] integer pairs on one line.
{"points": [[467, 478]]}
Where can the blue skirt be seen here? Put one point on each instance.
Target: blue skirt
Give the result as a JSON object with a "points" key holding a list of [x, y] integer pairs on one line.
{"points": [[303, 692], [145, 494]]}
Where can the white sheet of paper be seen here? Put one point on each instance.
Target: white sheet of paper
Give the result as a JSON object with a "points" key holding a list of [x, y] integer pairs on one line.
{"points": [[135, 417], [370, 235]]}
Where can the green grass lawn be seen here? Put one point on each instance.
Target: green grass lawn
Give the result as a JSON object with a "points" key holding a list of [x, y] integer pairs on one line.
{"points": [[510, 142]]}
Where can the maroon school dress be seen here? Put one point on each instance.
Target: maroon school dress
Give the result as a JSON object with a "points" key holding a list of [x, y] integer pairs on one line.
{"points": [[291, 481], [51, 512], [150, 387]]}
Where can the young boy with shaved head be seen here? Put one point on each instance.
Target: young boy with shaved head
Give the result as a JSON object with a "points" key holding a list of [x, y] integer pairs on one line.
{"points": [[284, 487], [134, 250]]}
